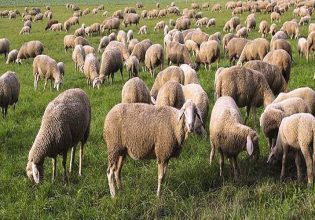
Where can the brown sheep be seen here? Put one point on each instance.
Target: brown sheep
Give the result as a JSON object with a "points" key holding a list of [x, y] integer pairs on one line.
{"points": [[234, 48], [154, 57], [177, 53], [254, 50], [131, 18], [209, 53], [281, 44]]}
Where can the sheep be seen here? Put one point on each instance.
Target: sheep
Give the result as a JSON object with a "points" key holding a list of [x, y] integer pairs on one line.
{"points": [[104, 13], [129, 35], [282, 59], [272, 116], [29, 50], [94, 28], [242, 32], [291, 28], [275, 16], [281, 44], [9, 91], [311, 27], [4, 46], [302, 47], [197, 36], [78, 57], [110, 24], [250, 22], [25, 30], [119, 46], [200, 98], [216, 36], [45, 67], [182, 24], [111, 62], [279, 35], [12, 56], [310, 44], [118, 14], [80, 41], [122, 37], [190, 74], [216, 7], [38, 17], [28, 23], [211, 22], [305, 93], [296, 132], [170, 94], [264, 28], [177, 53], [132, 66], [209, 52], [61, 67], [247, 87], [159, 26], [229, 136], [171, 23], [192, 46], [91, 70], [66, 121], [171, 73], [305, 20], [88, 49], [273, 29], [202, 22], [80, 31], [50, 23], [254, 50], [140, 49], [71, 21], [132, 44], [135, 91], [231, 24], [154, 57], [143, 30], [178, 37], [68, 42], [226, 40], [234, 48], [56, 27], [103, 43], [161, 139], [131, 18], [272, 73]]}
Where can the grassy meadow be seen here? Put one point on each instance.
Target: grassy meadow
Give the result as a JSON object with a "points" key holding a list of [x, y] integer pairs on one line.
{"points": [[192, 189]]}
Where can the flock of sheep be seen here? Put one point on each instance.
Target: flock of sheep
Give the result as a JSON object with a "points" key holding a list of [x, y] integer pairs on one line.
{"points": [[154, 123]]}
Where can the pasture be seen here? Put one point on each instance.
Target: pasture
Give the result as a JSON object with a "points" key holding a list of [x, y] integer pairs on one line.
{"points": [[192, 189]]}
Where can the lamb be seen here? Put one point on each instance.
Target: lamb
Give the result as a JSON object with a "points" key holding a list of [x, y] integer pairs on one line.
{"points": [[281, 44], [78, 57], [111, 62], [272, 116], [170, 94], [305, 93], [143, 30], [192, 46], [9, 91], [132, 66], [282, 59], [209, 53], [247, 87], [177, 53], [229, 136], [103, 43], [129, 35], [154, 57], [135, 91], [234, 48], [302, 47], [171, 73], [296, 132], [56, 27], [66, 122], [4, 46], [163, 132], [264, 28], [190, 74], [29, 50], [45, 67], [25, 30], [272, 73], [12, 56], [254, 50], [68, 42], [91, 70], [200, 98]]}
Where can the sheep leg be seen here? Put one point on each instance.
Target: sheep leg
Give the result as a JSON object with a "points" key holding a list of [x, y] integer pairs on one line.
{"points": [[284, 158], [36, 83], [122, 75], [118, 172], [162, 167], [309, 164], [212, 153], [254, 117], [64, 166], [247, 113], [298, 165], [235, 168], [221, 162], [270, 143], [54, 163], [72, 156], [45, 84], [81, 158], [110, 177]]}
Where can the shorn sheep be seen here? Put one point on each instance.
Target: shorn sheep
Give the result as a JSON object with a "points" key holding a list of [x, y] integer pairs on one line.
{"points": [[9, 91], [229, 136], [135, 91], [296, 132], [158, 132], [65, 123]]}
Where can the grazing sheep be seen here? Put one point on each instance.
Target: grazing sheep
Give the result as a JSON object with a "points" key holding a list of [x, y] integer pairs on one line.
{"points": [[182, 23], [234, 48], [66, 122], [305, 20], [68, 42], [209, 52], [80, 41], [264, 28], [310, 44], [250, 22], [91, 70], [177, 53], [226, 40], [9, 91], [78, 57], [61, 67], [110, 24], [242, 33], [119, 46], [190, 74], [159, 26], [161, 139], [56, 27], [143, 30], [71, 21], [103, 43], [272, 116], [291, 28], [154, 57], [29, 50], [131, 18], [311, 27], [132, 45], [129, 35], [282, 59], [279, 35], [44, 67], [178, 37], [216, 7], [28, 23], [202, 22], [229, 136], [216, 36], [4, 46], [211, 22], [231, 24], [296, 132], [132, 66], [170, 94], [122, 37], [254, 50], [94, 28], [25, 30], [305, 93], [273, 29], [50, 23], [80, 31], [88, 49], [272, 73], [111, 62], [140, 49], [247, 87], [192, 46], [198, 36], [171, 73], [135, 91], [281, 44], [12, 56], [302, 47], [275, 16]]}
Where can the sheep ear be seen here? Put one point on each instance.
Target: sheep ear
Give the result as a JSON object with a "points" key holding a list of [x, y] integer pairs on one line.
{"points": [[153, 101], [249, 146], [35, 173], [180, 114]]}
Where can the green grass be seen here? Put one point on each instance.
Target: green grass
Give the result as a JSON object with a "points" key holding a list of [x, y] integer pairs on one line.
{"points": [[193, 188]]}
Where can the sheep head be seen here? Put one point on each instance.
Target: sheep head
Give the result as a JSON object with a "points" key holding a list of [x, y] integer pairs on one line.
{"points": [[189, 111], [34, 172]]}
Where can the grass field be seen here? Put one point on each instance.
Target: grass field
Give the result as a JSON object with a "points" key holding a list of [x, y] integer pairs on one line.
{"points": [[192, 189]]}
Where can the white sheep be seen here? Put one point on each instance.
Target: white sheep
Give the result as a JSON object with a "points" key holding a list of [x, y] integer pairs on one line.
{"points": [[78, 57], [135, 91], [91, 70]]}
